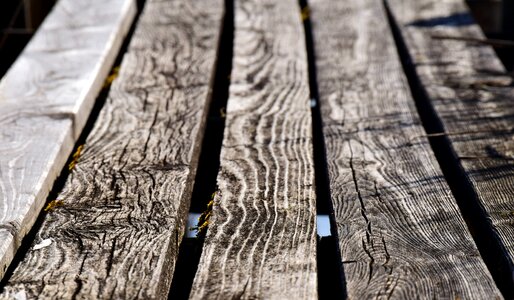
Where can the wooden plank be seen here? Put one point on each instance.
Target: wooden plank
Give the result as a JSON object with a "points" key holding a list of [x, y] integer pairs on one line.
{"points": [[116, 232], [400, 231], [261, 241], [472, 95], [45, 99]]}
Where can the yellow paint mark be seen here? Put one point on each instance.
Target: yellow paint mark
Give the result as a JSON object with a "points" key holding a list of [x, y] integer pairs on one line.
{"points": [[305, 13], [54, 204], [75, 158], [203, 220], [509, 213], [111, 77], [223, 113]]}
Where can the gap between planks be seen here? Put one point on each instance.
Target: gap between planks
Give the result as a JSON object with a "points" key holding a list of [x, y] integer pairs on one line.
{"points": [[261, 241], [331, 279], [400, 230], [466, 90], [126, 201], [208, 165]]}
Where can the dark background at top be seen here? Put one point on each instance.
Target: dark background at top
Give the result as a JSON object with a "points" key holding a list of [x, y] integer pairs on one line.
{"points": [[496, 17], [20, 18], [18, 21]]}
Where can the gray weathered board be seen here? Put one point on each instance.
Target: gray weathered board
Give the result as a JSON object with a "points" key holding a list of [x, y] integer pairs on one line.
{"points": [[474, 98], [261, 241], [400, 231], [45, 99], [116, 233]]}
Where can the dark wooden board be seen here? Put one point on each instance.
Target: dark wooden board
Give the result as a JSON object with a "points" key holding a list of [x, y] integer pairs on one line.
{"points": [[473, 97], [400, 231], [261, 241], [45, 100], [116, 231]]}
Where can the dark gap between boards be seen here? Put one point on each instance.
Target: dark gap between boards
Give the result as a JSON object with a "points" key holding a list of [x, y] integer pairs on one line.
{"points": [[208, 164], [63, 176], [331, 280], [209, 161], [491, 249]]}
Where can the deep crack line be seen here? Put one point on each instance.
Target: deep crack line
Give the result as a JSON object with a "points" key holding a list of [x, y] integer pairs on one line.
{"points": [[361, 200]]}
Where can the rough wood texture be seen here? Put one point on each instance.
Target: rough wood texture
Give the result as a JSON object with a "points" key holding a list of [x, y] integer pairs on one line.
{"points": [[261, 242], [117, 233], [469, 90], [45, 99], [400, 232]]}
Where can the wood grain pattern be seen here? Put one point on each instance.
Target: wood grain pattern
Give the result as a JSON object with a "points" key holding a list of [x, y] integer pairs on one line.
{"points": [[400, 231], [45, 99], [116, 236], [261, 241], [472, 95]]}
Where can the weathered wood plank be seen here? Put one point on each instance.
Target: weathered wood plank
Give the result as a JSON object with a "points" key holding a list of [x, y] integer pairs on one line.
{"points": [[400, 231], [124, 206], [261, 242], [470, 92], [45, 99]]}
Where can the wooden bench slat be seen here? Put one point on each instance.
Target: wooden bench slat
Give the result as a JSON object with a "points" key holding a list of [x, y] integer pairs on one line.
{"points": [[261, 241], [45, 99], [117, 231], [400, 230], [473, 96]]}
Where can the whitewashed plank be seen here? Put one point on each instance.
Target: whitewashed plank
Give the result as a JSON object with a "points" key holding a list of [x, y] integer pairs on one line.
{"points": [[45, 99]]}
